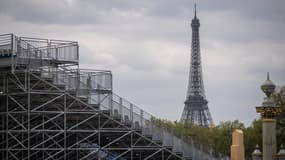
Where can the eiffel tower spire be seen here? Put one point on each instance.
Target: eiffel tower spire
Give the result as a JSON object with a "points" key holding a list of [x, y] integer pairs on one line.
{"points": [[196, 109], [195, 11]]}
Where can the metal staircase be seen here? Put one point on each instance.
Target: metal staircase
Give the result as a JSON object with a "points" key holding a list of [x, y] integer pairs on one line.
{"points": [[51, 109]]}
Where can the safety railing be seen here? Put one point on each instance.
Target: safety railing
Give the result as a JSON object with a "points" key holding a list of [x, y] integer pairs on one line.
{"points": [[85, 82], [7, 50], [89, 84], [6, 41], [36, 51], [35, 48], [142, 121], [96, 86]]}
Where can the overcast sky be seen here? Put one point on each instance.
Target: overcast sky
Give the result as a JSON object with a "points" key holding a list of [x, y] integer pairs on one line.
{"points": [[146, 44]]}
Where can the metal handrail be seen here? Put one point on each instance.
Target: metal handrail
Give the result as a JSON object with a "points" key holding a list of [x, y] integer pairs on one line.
{"points": [[85, 81], [52, 52], [24, 50], [140, 119]]}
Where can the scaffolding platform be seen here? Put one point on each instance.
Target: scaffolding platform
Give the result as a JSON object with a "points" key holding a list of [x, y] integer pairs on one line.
{"points": [[36, 52], [52, 110]]}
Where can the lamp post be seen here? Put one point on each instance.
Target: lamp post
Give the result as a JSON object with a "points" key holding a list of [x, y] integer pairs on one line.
{"points": [[268, 112], [256, 154], [281, 153]]}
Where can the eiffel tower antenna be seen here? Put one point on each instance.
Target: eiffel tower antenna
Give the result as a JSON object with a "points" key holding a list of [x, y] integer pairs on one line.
{"points": [[195, 10]]}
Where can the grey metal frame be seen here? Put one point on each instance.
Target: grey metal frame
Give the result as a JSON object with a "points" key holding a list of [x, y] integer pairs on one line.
{"points": [[51, 109]]}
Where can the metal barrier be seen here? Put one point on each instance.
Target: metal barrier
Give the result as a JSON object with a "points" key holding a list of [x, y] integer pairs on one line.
{"points": [[95, 86], [141, 120], [37, 52], [6, 45], [58, 50]]}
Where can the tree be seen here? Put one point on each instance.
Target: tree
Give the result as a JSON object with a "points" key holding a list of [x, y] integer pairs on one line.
{"points": [[279, 98], [252, 137], [218, 139]]}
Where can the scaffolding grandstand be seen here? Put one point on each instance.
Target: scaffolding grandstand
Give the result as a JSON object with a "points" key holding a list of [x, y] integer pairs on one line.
{"points": [[50, 109]]}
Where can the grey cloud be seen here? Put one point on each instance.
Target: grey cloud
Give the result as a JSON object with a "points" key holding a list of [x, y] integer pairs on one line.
{"points": [[260, 9], [144, 17], [68, 11], [146, 44], [97, 11]]}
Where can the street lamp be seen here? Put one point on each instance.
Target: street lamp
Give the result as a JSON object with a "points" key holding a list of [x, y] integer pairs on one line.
{"points": [[281, 153], [256, 154], [268, 112]]}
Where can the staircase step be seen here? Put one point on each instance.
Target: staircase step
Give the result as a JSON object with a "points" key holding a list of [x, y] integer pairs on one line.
{"points": [[107, 112], [148, 136], [179, 153], [188, 158], [158, 142], [169, 147]]}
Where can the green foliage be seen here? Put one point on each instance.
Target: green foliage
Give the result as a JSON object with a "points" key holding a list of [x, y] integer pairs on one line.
{"points": [[223, 134], [279, 98], [252, 137], [218, 139]]}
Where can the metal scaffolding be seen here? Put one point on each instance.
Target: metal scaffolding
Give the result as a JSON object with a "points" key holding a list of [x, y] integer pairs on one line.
{"points": [[52, 110]]}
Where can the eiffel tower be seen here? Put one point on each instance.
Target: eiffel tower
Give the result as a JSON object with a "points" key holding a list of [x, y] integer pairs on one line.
{"points": [[196, 109]]}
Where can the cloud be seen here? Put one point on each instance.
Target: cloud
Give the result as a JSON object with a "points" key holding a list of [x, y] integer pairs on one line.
{"points": [[146, 44]]}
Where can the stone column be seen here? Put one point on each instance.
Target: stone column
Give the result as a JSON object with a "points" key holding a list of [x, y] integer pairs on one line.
{"points": [[237, 148], [268, 138]]}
